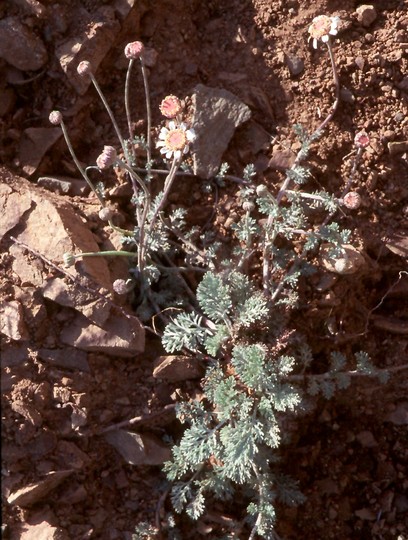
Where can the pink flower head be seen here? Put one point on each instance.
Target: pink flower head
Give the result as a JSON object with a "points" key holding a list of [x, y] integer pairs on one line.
{"points": [[352, 200], [55, 118], [174, 140], [322, 27], [134, 50], [171, 106], [120, 286], [361, 140], [84, 68], [107, 158]]}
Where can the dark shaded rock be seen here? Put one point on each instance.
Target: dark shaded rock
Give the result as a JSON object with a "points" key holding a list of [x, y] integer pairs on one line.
{"points": [[139, 449], [20, 47], [71, 359]]}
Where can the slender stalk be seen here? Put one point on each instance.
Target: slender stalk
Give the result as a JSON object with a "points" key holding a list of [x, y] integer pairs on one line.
{"points": [[78, 164], [112, 253], [109, 111], [148, 114], [127, 107]]}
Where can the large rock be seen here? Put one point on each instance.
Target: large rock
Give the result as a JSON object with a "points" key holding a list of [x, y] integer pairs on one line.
{"points": [[20, 47], [217, 113], [34, 144]]}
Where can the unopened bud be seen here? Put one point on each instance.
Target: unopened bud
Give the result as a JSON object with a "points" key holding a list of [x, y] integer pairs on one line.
{"points": [[69, 259], [262, 190], [120, 286], [107, 158], [134, 50], [84, 68], [55, 118], [248, 206], [352, 200], [105, 214]]}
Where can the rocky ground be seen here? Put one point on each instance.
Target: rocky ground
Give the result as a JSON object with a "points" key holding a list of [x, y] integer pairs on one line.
{"points": [[75, 360]]}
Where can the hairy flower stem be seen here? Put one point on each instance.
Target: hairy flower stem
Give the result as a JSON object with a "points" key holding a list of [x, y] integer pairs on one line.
{"points": [[148, 108], [78, 165], [129, 254], [286, 184], [109, 111]]}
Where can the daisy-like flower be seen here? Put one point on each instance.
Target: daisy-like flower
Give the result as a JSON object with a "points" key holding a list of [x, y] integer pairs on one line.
{"points": [[134, 50], [322, 27], [171, 106], [175, 140], [361, 140]]}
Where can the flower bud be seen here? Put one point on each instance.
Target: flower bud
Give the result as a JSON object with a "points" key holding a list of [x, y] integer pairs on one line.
{"points": [[107, 158], [262, 190], [171, 106], [248, 206], [120, 286], [352, 200], [134, 50], [69, 259], [105, 213], [84, 68], [55, 118]]}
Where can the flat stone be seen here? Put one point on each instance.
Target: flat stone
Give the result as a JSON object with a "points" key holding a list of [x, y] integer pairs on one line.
{"points": [[33, 493], [120, 335], [70, 359], [64, 185], [20, 47], [68, 295], [139, 448], [399, 417], [12, 320], [177, 368], [13, 355], [349, 263], [366, 439], [217, 113], [28, 411], [366, 15], [34, 144]]}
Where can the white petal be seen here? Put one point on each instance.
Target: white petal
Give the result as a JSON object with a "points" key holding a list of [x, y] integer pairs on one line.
{"points": [[160, 143], [333, 31], [186, 149], [168, 155], [172, 125], [183, 126], [314, 43], [325, 38], [177, 154], [163, 150], [191, 135]]}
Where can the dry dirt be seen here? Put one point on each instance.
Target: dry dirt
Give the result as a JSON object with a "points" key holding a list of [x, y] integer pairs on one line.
{"points": [[351, 454]]}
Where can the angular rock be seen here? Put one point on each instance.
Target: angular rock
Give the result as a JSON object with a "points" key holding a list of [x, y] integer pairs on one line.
{"points": [[20, 47], [366, 15], [50, 213], [34, 144], [91, 46], [28, 411], [399, 417], [137, 448], [12, 205], [397, 147], [31, 271], [281, 160], [120, 336], [217, 113], [71, 359], [65, 294], [33, 493], [12, 320], [40, 531], [177, 368]]}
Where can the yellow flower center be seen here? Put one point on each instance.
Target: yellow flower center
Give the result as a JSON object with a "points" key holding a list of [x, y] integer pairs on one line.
{"points": [[176, 140]]}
